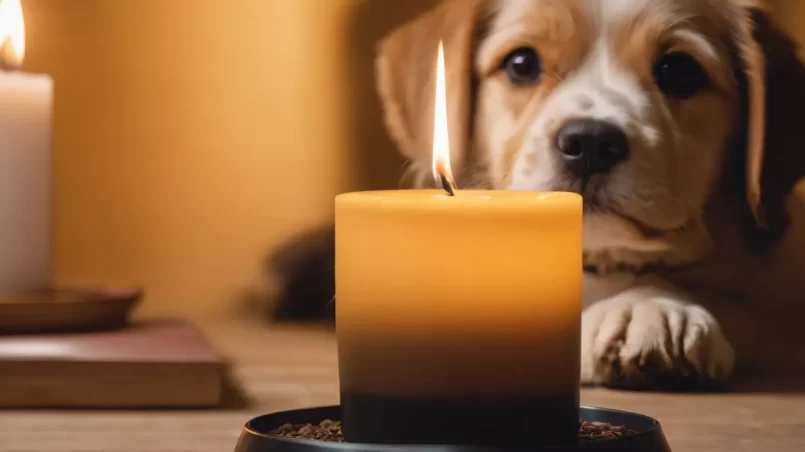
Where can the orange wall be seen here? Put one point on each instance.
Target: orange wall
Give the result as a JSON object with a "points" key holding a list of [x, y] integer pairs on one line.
{"points": [[192, 137]]}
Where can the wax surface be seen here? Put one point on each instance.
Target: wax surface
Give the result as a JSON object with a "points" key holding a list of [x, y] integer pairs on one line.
{"points": [[25, 172], [474, 295]]}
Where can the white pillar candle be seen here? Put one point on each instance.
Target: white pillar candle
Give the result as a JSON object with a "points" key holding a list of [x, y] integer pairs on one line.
{"points": [[25, 163]]}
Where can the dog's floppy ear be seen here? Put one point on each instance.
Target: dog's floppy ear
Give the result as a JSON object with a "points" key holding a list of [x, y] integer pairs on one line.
{"points": [[775, 93], [753, 64], [406, 75]]}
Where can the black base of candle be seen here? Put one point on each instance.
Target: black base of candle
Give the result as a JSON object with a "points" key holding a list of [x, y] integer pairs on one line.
{"points": [[500, 422]]}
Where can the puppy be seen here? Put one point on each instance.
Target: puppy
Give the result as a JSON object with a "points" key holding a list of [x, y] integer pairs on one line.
{"points": [[679, 123]]}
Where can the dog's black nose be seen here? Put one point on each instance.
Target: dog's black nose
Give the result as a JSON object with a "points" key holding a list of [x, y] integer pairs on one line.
{"points": [[592, 146]]}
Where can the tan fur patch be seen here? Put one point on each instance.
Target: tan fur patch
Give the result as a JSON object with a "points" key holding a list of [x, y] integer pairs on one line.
{"points": [[636, 44], [639, 41], [526, 115], [561, 34]]}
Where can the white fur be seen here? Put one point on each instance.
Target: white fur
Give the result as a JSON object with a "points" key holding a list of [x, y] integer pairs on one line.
{"points": [[698, 42], [644, 325]]}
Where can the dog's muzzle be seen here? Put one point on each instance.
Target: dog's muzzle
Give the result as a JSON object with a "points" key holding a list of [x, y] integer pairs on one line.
{"points": [[591, 147]]}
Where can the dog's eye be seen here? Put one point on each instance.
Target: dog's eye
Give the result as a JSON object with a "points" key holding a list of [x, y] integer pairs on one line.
{"points": [[523, 66], [679, 75]]}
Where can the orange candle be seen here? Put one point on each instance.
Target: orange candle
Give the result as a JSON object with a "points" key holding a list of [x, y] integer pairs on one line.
{"points": [[458, 317]]}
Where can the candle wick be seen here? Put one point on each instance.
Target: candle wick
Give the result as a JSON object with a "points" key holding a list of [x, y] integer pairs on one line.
{"points": [[447, 184]]}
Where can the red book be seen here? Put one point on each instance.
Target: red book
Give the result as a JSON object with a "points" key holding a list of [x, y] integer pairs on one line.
{"points": [[157, 364]]}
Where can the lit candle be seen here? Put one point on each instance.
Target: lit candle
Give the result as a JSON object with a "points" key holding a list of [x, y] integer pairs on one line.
{"points": [[25, 162], [458, 317]]}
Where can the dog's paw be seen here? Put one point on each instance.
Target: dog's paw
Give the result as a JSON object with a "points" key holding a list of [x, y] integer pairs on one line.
{"points": [[643, 339]]}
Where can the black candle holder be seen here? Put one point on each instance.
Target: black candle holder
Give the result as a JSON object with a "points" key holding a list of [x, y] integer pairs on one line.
{"points": [[257, 437]]}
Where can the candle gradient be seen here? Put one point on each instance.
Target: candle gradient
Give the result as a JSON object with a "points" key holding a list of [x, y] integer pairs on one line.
{"points": [[471, 300]]}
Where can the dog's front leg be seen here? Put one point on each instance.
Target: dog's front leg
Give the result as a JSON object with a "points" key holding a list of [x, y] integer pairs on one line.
{"points": [[649, 334]]}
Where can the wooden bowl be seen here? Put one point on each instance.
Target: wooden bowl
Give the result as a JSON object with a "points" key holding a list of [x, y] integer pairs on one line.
{"points": [[67, 310]]}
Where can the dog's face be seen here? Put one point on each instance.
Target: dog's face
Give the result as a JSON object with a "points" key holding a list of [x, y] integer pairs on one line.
{"points": [[633, 103], [630, 102]]}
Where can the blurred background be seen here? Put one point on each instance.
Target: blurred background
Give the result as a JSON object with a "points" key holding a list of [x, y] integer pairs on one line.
{"points": [[194, 138]]}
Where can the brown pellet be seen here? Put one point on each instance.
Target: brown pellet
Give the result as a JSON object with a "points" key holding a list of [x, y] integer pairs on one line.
{"points": [[330, 431]]}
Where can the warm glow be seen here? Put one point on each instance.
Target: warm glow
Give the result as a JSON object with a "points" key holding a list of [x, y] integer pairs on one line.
{"points": [[12, 33], [441, 141]]}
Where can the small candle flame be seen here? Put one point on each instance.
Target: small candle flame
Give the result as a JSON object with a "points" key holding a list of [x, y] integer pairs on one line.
{"points": [[442, 172], [12, 34]]}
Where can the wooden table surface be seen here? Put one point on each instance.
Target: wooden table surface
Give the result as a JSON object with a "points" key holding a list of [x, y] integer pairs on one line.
{"points": [[285, 367]]}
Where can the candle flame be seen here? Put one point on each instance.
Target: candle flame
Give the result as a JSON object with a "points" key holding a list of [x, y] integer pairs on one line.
{"points": [[12, 34], [442, 172]]}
